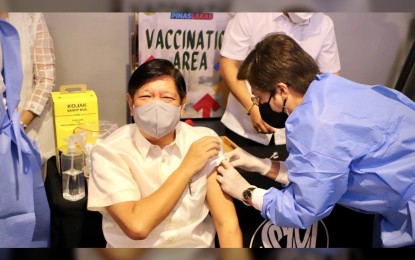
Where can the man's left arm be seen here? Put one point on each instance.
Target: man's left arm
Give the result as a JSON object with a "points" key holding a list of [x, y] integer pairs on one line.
{"points": [[223, 213]]}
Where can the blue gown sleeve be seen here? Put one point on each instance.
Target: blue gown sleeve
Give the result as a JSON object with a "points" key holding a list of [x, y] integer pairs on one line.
{"points": [[312, 193], [323, 138]]}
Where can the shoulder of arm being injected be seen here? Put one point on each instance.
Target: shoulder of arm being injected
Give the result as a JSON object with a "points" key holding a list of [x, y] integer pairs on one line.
{"points": [[223, 213]]}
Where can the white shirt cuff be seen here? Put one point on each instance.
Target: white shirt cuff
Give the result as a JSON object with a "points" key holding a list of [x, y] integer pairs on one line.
{"points": [[258, 198]]}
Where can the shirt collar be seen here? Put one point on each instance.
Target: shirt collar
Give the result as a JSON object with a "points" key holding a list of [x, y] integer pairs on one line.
{"points": [[144, 146]]}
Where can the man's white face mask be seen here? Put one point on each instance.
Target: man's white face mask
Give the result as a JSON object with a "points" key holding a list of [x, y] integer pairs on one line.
{"points": [[157, 118], [300, 17]]}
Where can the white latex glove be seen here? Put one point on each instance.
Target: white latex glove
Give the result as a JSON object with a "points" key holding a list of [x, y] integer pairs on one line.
{"points": [[282, 176], [243, 159], [231, 181]]}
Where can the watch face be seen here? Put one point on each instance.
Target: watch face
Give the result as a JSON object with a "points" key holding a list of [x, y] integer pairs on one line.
{"points": [[247, 195]]}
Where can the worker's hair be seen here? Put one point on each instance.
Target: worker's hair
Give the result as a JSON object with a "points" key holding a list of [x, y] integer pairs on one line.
{"points": [[278, 59]]}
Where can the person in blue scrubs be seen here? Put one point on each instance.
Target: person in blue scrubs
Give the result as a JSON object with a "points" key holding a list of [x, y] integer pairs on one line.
{"points": [[348, 143], [24, 209]]}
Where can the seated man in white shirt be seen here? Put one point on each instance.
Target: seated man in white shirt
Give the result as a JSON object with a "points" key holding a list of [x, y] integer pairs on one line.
{"points": [[155, 181]]}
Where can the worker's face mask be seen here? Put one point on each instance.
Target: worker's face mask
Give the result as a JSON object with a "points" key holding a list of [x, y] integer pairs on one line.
{"points": [[274, 119], [157, 118], [298, 18]]}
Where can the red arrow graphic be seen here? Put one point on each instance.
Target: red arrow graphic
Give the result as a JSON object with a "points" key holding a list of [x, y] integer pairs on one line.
{"points": [[206, 103], [150, 58]]}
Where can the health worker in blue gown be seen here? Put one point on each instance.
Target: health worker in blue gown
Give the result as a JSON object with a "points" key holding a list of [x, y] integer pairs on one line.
{"points": [[24, 209], [348, 143]]}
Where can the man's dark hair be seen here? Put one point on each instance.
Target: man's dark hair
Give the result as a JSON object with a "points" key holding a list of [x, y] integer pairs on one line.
{"points": [[152, 70], [278, 59]]}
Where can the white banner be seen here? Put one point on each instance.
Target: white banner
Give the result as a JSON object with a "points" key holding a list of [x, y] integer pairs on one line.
{"points": [[191, 41]]}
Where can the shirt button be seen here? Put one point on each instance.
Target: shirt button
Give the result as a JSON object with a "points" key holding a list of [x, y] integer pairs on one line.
{"points": [[170, 240]]}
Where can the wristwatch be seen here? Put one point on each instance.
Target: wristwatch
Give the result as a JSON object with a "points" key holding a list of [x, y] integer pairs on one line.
{"points": [[247, 195]]}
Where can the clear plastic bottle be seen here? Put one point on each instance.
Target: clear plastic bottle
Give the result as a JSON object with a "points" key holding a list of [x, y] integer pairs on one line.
{"points": [[73, 179]]}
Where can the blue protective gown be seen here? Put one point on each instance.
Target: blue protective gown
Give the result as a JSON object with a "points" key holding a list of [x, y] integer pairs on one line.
{"points": [[24, 209], [354, 145]]}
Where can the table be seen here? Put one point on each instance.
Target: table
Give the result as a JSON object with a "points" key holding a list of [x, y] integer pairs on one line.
{"points": [[72, 225], [343, 228]]}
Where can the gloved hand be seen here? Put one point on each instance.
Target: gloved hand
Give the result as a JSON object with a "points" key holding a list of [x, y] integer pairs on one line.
{"points": [[241, 158], [231, 181]]}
